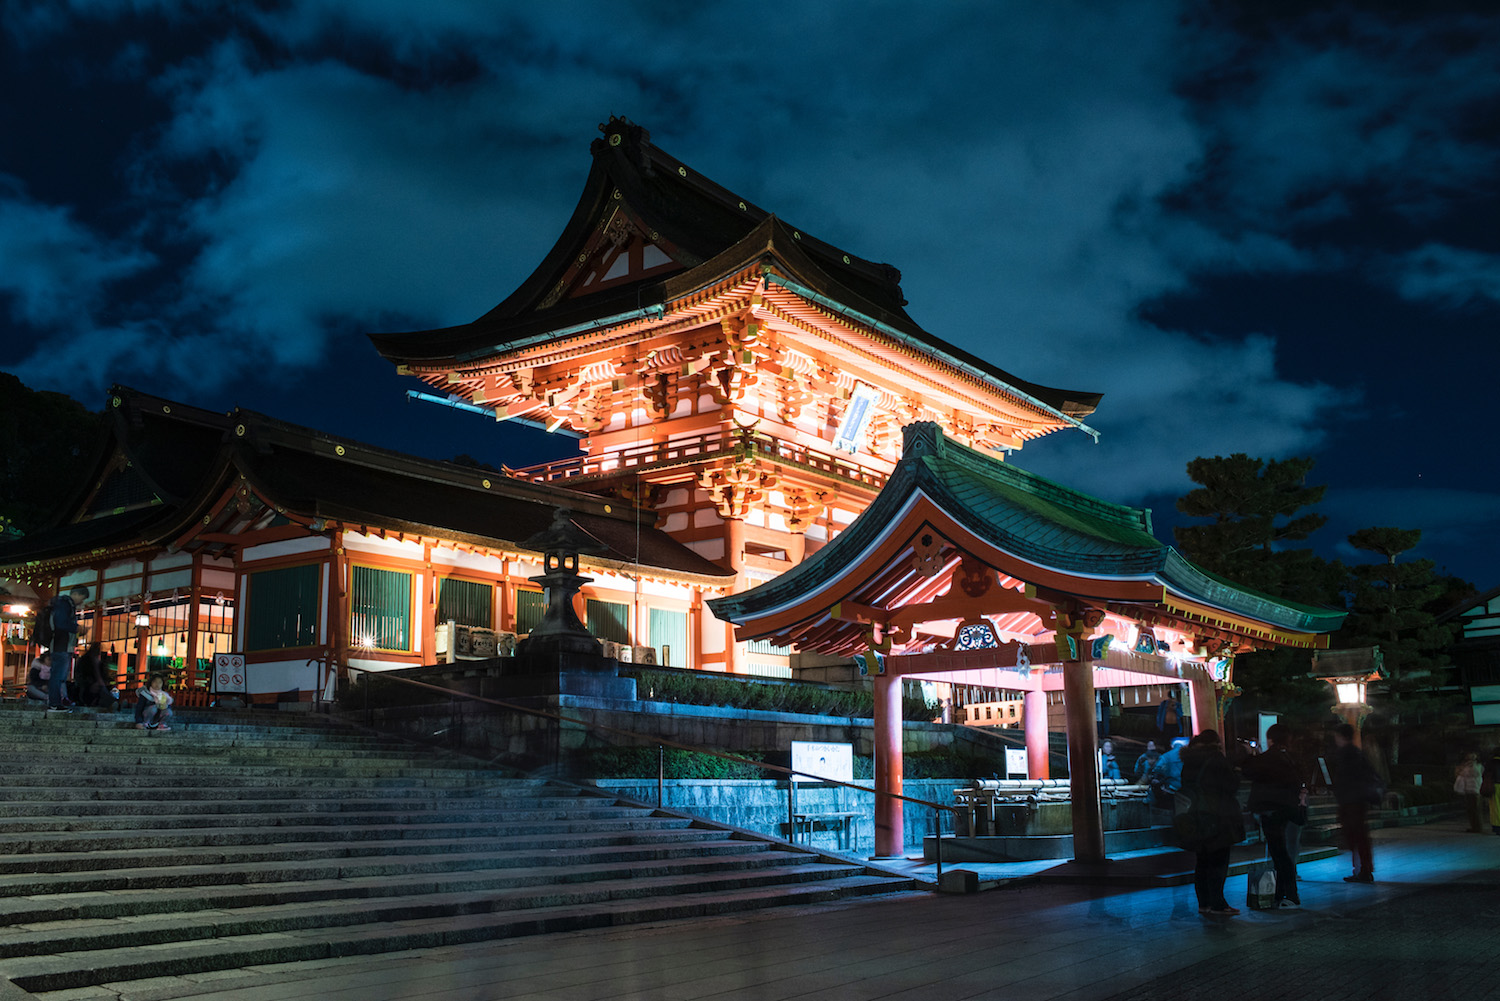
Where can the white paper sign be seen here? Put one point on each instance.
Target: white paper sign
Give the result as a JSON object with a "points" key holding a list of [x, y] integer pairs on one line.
{"points": [[1015, 763], [815, 759]]}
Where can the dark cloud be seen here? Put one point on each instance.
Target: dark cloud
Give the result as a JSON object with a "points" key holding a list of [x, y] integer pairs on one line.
{"points": [[1045, 175]]}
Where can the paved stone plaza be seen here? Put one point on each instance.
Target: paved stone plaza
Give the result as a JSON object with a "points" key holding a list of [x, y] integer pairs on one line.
{"points": [[1426, 929]]}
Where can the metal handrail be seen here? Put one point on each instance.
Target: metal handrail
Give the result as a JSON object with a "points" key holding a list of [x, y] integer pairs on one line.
{"points": [[664, 743]]}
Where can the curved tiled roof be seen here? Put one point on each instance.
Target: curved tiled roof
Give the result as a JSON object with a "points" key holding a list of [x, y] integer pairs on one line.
{"points": [[710, 232], [1035, 520], [191, 456]]}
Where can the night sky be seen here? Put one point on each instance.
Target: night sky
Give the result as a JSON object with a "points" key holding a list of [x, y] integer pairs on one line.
{"points": [[1274, 232]]}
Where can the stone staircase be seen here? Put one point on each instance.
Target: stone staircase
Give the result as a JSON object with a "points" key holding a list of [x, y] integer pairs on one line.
{"points": [[243, 839]]}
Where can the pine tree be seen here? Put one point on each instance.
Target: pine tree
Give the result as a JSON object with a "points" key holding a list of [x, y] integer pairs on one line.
{"points": [[1256, 510], [1389, 602], [1257, 507], [49, 436]]}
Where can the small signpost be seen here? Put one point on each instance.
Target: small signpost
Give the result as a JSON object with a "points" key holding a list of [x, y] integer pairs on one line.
{"points": [[813, 761], [229, 673], [1015, 763]]}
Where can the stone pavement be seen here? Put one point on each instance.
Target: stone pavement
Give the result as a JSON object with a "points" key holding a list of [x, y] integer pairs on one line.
{"points": [[1427, 928]]}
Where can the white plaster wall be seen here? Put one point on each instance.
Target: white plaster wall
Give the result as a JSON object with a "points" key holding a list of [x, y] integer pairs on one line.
{"points": [[355, 542], [287, 547], [492, 566]]}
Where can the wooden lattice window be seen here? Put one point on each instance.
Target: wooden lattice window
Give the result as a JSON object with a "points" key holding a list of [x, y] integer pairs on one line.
{"points": [[281, 610]]}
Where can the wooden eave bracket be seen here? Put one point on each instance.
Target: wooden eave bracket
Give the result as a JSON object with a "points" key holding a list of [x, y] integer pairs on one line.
{"points": [[906, 618]]}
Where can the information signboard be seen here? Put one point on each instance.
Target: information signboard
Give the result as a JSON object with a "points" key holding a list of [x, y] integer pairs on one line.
{"points": [[815, 759], [229, 673]]}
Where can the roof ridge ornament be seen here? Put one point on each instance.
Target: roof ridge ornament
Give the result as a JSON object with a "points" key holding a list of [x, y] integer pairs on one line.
{"points": [[921, 438]]}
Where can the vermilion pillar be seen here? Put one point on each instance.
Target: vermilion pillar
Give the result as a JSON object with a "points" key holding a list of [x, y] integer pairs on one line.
{"points": [[1083, 755], [1205, 705], [734, 559], [890, 818], [1034, 722]]}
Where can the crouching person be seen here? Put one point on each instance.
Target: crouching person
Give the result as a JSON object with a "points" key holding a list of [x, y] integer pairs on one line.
{"points": [[153, 705]]}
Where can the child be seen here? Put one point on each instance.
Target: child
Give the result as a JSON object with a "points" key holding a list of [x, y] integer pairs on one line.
{"points": [[152, 705]]}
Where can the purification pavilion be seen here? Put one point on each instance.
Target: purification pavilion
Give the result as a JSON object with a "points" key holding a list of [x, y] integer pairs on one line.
{"points": [[724, 370], [966, 568]]}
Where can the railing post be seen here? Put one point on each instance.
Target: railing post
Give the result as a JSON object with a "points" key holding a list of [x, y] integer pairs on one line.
{"points": [[937, 831], [661, 772], [791, 809]]}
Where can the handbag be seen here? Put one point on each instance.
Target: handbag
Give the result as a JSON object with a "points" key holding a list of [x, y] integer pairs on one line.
{"points": [[1260, 884]]}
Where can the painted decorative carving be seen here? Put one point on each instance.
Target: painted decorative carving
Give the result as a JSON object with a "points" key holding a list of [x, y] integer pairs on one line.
{"points": [[739, 488], [1100, 646], [1145, 641], [660, 393], [794, 395], [976, 635], [974, 578], [882, 434], [927, 554], [804, 507]]}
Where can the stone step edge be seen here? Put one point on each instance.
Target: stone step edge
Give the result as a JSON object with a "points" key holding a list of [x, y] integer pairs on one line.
{"points": [[44, 973], [81, 904], [211, 855], [433, 865], [87, 935]]}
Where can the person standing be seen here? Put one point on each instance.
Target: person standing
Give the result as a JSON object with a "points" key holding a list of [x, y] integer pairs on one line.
{"points": [[1467, 783], [1356, 788], [1489, 791], [1166, 774], [1169, 718], [1276, 788], [65, 631], [1109, 765], [1211, 825]]}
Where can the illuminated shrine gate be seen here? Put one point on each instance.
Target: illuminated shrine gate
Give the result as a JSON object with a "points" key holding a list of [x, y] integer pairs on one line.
{"points": [[972, 570]]}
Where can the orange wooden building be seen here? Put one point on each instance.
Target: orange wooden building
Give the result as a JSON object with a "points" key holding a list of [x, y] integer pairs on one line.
{"points": [[743, 381]]}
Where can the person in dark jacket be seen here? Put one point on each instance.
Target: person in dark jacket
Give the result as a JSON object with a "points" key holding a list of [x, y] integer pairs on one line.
{"points": [[65, 630], [91, 682], [1356, 788], [1276, 800], [1146, 762], [1109, 765], [1212, 824], [36, 677]]}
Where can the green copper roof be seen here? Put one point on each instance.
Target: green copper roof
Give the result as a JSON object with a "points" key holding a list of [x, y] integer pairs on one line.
{"points": [[1029, 517]]}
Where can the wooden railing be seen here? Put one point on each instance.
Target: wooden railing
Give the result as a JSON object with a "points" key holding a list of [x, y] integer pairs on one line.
{"points": [[696, 449]]}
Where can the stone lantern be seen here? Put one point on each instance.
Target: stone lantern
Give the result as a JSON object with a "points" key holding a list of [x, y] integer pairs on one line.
{"points": [[560, 656], [561, 631]]}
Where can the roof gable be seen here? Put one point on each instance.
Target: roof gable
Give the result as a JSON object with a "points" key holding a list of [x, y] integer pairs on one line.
{"points": [[944, 495], [648, 230]]}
